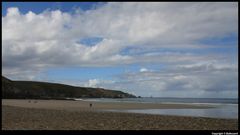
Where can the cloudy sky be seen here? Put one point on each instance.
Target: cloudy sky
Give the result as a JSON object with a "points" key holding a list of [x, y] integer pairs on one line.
{"points": [[147, 49]]}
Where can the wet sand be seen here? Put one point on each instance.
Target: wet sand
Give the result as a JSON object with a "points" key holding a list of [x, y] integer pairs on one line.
{"points": [[83, 105], [77, 115]]}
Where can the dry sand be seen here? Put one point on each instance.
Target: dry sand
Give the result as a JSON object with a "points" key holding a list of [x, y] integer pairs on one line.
{"points": [[76, 115]]}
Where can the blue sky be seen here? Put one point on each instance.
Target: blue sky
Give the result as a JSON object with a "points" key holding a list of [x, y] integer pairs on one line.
{"points": [[90, 41], [38, 7], [149, 45]]}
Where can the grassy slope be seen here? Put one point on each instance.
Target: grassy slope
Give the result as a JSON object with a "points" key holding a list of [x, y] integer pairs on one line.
{"points": [[30, 89]]}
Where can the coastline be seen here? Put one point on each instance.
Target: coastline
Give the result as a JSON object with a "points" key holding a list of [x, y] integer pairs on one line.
{"points": [[20, 118], [77, 115], [79, 105]]}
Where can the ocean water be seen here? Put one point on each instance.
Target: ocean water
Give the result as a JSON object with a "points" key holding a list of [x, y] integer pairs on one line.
{"points": [[168, 100], [224, 107]]}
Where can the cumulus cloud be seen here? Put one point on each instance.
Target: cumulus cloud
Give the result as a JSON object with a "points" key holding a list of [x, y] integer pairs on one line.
{"points": [[206, 80], [143, 70], [92, 83], [32, 43], [98, 83], [124, 24]]}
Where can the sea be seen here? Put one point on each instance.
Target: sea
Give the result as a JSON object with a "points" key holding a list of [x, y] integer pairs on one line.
{"points": [[226, 108]]}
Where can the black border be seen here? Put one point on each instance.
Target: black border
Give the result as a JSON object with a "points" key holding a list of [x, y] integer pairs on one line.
{"points": [[117, 132]]}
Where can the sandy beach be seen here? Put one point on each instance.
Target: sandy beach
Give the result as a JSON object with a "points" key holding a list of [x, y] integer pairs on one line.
{"points": [[83, 105], [77, 115]]}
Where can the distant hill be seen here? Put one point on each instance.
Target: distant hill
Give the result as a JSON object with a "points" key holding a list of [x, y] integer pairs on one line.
{"points": [[44, 90]]}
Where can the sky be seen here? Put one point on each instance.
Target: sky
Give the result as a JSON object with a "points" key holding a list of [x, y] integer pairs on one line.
{"points": [[156, 49]]}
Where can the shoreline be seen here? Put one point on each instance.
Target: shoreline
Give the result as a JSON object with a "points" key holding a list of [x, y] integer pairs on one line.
{"points": [[79, 104], [172, 109], [20, 118]]}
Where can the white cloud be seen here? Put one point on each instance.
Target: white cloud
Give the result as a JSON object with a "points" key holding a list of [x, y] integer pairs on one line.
{"points": [[98, 83], [123, 24], [193, 81], [31, 43], [92, 83], [143, 70], [13, 12]]}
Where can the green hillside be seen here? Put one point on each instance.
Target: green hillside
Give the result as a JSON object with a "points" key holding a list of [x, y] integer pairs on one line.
{"points": [[44, 90]]}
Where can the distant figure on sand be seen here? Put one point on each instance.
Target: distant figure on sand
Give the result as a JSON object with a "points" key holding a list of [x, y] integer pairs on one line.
{"points": [[90, 105]]}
